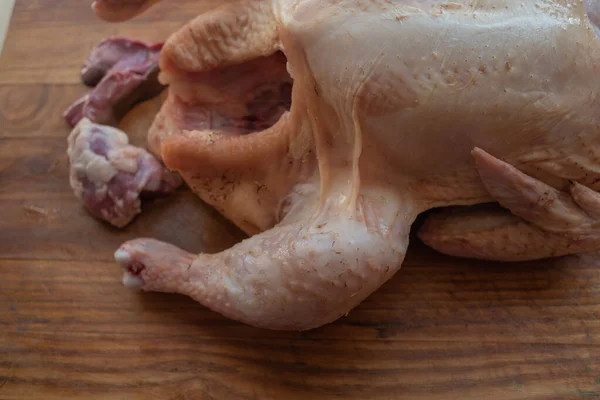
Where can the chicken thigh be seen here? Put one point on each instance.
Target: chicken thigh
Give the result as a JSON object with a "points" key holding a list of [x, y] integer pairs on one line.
{"points": [[395, 108]]}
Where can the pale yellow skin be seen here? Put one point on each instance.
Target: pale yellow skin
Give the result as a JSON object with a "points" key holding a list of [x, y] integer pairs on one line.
{"points": [[397, 107]]}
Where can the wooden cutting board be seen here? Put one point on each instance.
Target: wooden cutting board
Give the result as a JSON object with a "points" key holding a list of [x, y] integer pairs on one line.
{"points": [[441, 329]]}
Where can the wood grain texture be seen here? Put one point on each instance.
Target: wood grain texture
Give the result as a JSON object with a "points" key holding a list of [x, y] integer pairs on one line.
{"points": [[442, 328]]}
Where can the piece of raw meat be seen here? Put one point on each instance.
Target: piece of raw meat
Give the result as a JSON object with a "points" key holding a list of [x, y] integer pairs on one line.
{"points": [[124, 73], [112, 177], [118, 53], [396, 107]]}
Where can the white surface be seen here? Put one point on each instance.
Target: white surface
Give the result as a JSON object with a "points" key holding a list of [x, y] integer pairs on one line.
{"points": [[6, 7]]}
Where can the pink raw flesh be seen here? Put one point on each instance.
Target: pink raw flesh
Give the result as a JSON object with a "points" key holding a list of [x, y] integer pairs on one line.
{"points": [[125, 72], [234, 100], [118, 53], [111, 177]]}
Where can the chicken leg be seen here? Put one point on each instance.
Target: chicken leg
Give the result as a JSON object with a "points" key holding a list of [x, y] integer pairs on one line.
{"points": [[537, 221], [298, 275]]}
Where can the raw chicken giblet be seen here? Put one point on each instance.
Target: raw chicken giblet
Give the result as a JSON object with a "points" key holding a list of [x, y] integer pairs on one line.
{"points": [[124, 73], [110, 176], [396, 107]]}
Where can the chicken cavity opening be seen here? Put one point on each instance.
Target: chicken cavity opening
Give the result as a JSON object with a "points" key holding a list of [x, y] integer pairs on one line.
{"points": [[233, 100]]}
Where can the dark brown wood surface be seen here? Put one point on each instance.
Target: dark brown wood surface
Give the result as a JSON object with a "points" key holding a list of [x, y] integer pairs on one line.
{"points": [[441, 329]]}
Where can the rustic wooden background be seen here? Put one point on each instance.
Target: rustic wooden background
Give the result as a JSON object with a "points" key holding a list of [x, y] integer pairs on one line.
{"points": [[441, 329]]}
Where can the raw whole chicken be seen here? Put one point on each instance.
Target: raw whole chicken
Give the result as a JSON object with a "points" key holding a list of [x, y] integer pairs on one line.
{"points": [[324, 128]]}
